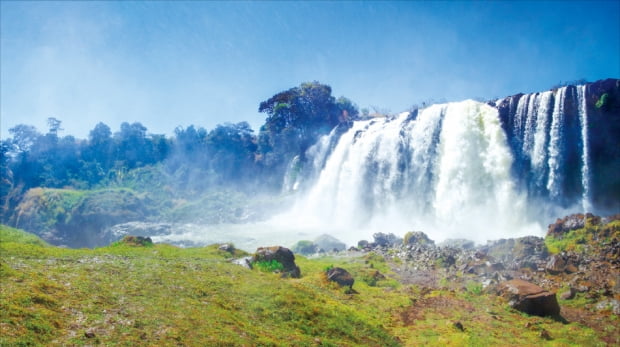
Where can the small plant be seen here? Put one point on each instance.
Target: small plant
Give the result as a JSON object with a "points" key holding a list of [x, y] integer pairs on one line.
{"points": [[474, 287], [269, 265], [603, 101], [328, 267]]}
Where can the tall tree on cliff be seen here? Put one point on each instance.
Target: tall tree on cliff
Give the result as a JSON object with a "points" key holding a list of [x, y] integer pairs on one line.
{"points": [[296, 118]]}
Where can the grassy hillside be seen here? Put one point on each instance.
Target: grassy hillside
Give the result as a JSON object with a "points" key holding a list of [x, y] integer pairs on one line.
{"points": [[161, 295]]}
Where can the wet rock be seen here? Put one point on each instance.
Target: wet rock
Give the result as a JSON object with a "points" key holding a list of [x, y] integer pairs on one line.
{"points": [[280, 254], [340, 276], [530, 298]]}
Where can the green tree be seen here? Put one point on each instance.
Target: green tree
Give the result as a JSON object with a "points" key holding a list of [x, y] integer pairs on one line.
{"points": [[296, 118]]}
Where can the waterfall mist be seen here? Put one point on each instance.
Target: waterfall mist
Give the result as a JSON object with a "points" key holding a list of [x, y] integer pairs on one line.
{"points": [[455, 170]]}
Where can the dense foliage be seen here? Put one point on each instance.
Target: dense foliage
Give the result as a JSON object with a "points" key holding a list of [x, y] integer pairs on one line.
{"points": [[188, 164]]}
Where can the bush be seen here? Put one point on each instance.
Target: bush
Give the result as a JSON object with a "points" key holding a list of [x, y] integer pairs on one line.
{"points": [[269, 266], [603, 101]]}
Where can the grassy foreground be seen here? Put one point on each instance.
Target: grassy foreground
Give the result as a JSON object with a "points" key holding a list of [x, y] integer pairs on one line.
{"points": [[160, 295]]}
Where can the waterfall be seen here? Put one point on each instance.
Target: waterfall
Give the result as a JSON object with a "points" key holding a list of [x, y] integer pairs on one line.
{"points": [[585, 156], [463, 169], [445, 170], [554, 181]]}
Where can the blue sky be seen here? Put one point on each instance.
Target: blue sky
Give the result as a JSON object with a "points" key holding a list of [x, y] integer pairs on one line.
{"points": [[169, 64]]}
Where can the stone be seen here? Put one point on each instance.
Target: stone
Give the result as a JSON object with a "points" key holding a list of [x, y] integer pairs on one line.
{"points": [[417, 237], [280, 254], [340, 276], [530, 298], [227, 247], [555, 265], [245, 262], [459, 326], [571, 269]]}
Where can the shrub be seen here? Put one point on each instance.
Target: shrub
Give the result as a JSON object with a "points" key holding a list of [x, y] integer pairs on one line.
{"points": [[269, 265], [603, 101]]}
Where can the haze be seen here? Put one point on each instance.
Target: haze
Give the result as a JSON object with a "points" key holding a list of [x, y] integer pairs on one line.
{"points": [[169, 64]]}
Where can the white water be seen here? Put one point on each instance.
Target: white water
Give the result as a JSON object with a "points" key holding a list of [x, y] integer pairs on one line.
{"points": [[554, 181], [448, 173], [585, 157]]}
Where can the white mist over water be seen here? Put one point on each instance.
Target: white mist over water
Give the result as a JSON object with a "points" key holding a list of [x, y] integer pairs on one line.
{"points": [[446, 172], [450, 170]]}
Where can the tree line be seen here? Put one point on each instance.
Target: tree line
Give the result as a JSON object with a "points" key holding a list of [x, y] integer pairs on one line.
{"points": [[230, 155]]}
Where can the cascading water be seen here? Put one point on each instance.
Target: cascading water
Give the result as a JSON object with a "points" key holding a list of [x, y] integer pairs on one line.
{"points": [[446, 170], [585, 156], [452, 170], [554, 181]]}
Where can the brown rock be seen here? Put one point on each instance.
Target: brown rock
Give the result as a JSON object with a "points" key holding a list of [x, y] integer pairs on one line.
{"points": [[530, 298], [571, 269], [555, 265], [340, 276]]}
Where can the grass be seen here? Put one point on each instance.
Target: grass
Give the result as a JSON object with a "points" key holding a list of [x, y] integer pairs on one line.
{"points": [[128, 295], [579, 240]]}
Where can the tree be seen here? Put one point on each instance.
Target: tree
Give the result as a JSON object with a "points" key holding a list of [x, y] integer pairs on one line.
{"points": [[296, 118]]}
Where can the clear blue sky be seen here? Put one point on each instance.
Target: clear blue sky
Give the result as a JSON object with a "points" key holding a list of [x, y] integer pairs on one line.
{"points": [[167, 64]]}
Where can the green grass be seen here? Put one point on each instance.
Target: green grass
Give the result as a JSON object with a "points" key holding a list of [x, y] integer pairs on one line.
{"points": [[579, 240], [161, 295]]}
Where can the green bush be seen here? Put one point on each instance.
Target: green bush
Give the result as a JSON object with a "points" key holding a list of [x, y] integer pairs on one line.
{"points": [[603, 101], [269, 265]]}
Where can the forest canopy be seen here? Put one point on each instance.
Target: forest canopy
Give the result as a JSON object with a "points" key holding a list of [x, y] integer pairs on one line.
{"points": [[229, 156]]}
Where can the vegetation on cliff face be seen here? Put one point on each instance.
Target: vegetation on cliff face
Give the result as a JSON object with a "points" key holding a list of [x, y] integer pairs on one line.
{"points": [[126, 294]]}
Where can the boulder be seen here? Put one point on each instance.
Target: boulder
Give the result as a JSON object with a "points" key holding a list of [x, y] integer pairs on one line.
{"points": [[280, 254], [555, 265], [417, 237], [340, 276], [386, 240], [530, 298]]}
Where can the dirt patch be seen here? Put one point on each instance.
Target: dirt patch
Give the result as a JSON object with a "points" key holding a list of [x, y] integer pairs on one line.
{"points": [[443, 305]]}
